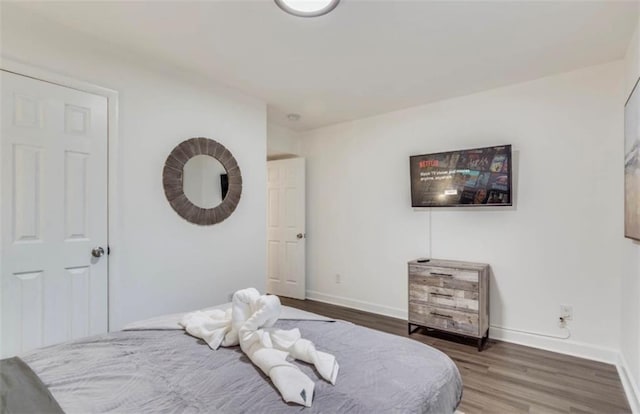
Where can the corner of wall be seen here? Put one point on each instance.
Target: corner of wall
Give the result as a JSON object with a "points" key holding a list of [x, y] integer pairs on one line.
{"points": [[282, 140], [631, 388]]}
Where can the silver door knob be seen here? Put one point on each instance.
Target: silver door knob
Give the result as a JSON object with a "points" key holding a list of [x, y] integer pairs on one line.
{"points": [[97, 252], [299, 235]]}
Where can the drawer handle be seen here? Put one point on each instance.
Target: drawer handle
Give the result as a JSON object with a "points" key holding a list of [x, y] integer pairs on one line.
{"points": [[444, 295], [440, 315], [441, 274]]}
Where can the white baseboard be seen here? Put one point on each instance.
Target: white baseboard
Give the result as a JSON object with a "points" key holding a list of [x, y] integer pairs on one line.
{"points": [[358, 304], [630, 385], [563, 346], [578, 349]]}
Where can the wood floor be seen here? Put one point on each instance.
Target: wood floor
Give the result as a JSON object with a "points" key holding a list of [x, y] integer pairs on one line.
{"points": [[507, 378]]}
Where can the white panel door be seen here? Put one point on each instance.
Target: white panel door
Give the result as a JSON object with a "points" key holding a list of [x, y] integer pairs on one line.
{"points": [[286, 228], [54, 213]]}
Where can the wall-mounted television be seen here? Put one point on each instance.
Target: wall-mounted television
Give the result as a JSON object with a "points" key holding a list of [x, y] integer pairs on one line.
{"points": [[465, 178]]}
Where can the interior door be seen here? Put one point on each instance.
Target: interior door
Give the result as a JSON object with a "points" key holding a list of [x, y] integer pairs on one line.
{"points": [[286, 228], [54, 214]]}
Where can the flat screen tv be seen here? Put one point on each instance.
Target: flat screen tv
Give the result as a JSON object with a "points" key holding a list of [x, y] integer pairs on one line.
{"points": [[465, 178]]}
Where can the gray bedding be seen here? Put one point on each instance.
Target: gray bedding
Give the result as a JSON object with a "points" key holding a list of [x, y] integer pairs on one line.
{"points": [[170, 371]]}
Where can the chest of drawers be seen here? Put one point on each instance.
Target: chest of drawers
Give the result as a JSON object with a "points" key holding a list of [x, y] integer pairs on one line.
{"points": [[450, 296]]}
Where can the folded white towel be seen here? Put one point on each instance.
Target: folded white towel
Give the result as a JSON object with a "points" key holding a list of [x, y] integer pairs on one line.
{"points": [[256, 341], [211, 326], [249, 322], [325, 363]]}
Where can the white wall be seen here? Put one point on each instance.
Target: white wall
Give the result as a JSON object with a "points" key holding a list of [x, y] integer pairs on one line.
{"points": [[630, 283], [160, 262], [559, 244], [282, 141]]}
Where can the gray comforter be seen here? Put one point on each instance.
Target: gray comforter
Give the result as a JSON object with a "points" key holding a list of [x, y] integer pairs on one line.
{"points": [[170, 371]]}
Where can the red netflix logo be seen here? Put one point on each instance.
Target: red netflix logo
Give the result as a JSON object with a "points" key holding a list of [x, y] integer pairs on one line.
{"points": [[428, 163]]}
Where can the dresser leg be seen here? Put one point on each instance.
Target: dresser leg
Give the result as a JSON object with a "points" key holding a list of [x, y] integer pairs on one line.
{"points": [[482, 341]]}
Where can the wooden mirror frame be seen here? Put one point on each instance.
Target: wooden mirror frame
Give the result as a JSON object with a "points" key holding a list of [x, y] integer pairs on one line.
{"points": [[172, 177]]}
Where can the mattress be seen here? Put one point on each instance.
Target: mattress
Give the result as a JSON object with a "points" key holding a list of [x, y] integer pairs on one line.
{"points": [[166, 370]]}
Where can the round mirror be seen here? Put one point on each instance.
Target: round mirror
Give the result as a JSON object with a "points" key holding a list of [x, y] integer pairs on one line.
{"points": [[203, 181]]}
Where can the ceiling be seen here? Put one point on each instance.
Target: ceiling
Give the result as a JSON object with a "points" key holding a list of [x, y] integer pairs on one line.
{"points": [[366, 57]]}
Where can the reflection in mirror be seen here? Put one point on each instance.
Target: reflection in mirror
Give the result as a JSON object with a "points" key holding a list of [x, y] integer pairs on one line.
{"points": [[204, 181], [203, 203]]}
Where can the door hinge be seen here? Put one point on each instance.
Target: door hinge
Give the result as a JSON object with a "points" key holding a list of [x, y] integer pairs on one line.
{"points": [[108, 250]]}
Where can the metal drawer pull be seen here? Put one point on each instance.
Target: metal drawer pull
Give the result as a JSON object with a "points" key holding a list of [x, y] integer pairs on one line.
{"points": [[441, 315], [444, 295], [441, 274]]}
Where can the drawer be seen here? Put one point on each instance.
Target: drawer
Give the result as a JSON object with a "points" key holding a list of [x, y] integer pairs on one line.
{"points": [[441, 281], [444, 272], [445, 319], [437, 296]]}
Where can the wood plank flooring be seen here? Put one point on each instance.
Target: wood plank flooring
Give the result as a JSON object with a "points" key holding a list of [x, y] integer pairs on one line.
{"points": [[505, 377]]}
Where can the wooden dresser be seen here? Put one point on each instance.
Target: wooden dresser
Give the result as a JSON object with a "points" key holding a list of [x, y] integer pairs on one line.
{"points": [[450, 296]]}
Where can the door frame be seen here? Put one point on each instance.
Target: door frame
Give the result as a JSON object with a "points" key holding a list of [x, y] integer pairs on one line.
{"points": [[113, 215]]}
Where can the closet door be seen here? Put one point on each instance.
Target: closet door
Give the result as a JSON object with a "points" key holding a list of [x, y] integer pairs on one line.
{"points": [[54, 214]]}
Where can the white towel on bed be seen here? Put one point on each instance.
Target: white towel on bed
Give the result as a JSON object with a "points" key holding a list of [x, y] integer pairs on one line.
{"points": [[249, 323]]}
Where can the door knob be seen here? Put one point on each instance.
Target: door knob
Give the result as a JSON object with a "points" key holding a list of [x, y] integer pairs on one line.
{"points": [[299, 235], [97, 252]]}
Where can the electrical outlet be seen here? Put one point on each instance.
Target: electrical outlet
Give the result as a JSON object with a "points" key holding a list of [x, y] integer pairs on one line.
{"points": [[338, 278], [566, 312]]}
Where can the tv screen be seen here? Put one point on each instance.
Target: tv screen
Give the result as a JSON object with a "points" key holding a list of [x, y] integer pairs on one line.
{"points": [[472, 177]]}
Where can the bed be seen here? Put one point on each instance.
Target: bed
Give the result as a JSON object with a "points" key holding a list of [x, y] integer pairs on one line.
{"points": [[153, 366]]}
